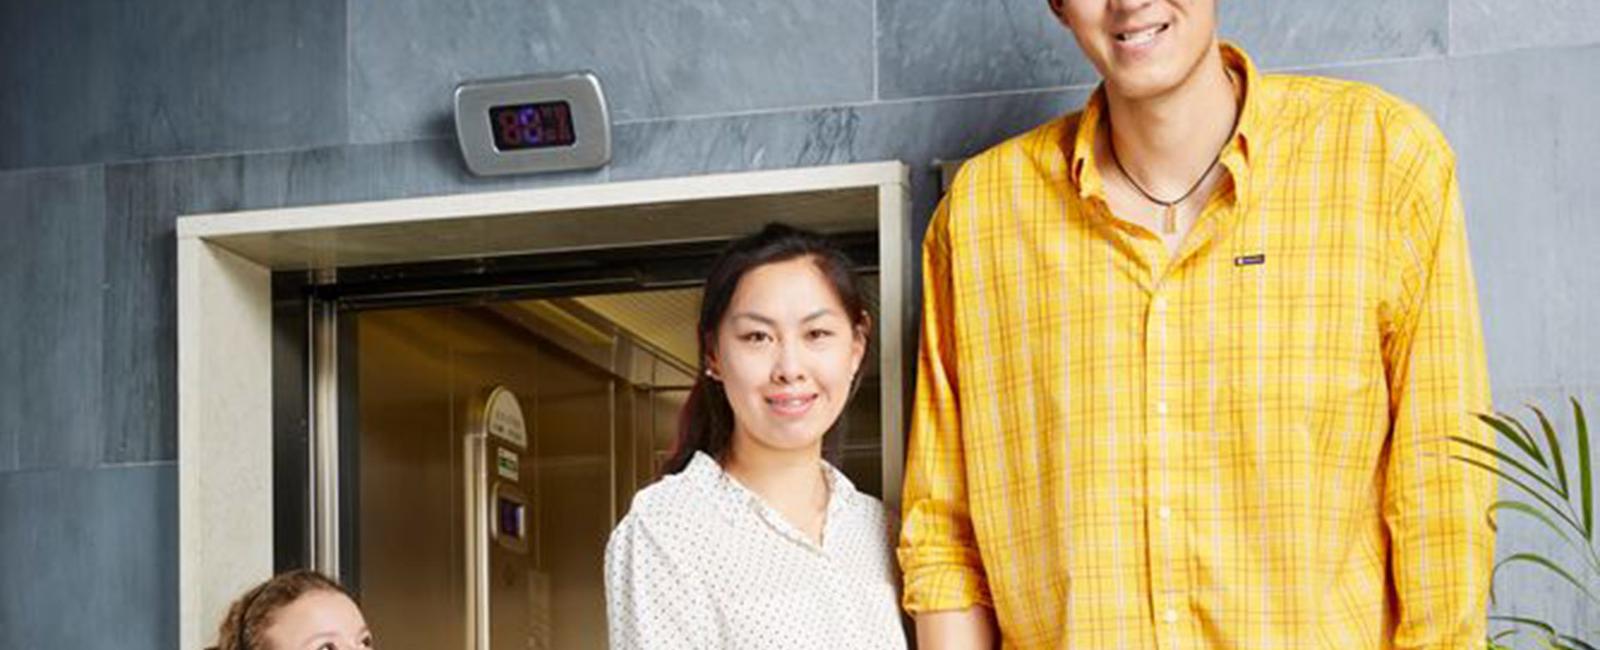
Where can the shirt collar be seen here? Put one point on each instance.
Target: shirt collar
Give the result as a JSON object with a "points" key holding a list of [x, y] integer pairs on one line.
{"points": [[733, 497], [1235, 155]]}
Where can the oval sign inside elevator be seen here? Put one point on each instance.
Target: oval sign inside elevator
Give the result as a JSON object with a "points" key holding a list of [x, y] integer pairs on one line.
{"points": [[502, 417]]}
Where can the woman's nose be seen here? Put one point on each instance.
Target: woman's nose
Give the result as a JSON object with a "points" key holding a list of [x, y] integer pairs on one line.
{"points": [[787, 367]]}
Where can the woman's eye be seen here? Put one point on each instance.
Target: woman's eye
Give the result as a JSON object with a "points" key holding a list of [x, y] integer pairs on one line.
{"points": [[366, 641], [819, 334], [755, 337], [328, 646]]}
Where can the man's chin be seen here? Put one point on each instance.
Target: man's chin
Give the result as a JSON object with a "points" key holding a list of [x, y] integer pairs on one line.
{"points": [[1144, 84]]}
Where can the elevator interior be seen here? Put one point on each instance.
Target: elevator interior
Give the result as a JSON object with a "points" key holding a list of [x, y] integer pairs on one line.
{"points": [[494, 442]]}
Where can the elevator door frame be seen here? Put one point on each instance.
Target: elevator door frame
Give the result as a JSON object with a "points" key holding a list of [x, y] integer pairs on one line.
{"points": [[226, 263]]}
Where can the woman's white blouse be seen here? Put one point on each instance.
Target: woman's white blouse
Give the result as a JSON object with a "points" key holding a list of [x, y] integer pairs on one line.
{"points": [[702, 562]]}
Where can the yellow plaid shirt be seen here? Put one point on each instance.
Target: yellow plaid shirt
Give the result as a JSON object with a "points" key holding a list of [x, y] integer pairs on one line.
{"points": [[1242, 446]]}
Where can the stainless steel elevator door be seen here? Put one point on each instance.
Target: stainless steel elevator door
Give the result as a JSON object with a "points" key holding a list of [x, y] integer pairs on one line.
{"points": [[420, 373]]}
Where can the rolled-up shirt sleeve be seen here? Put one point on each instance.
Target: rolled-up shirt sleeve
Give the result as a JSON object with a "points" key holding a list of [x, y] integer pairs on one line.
{"points": [[938, 550]]}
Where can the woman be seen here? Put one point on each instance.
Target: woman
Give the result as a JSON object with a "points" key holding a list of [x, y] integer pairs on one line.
{"points": [[750, 539], [298, 610]]}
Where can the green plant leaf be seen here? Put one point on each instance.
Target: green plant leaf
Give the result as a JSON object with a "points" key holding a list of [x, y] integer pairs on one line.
{"points": [[1577, 643], [1542, 561], [1523, 620], [1540, 516], [1503, 423], [1526, 435], [1585, 475], [1548, 636], [1505, 458], [1555, 450], [1525, 488]]}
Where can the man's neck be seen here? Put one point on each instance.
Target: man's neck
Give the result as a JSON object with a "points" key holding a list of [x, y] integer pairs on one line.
{"points": [[1169, 140]]}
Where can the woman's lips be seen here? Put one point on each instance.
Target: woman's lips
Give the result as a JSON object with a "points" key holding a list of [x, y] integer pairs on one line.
{"points": [[791, 404]]}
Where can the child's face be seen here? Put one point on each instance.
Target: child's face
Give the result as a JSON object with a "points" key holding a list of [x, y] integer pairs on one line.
{"points": [[320, 620]]}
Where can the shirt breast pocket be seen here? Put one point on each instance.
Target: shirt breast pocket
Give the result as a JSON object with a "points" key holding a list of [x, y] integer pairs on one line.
{"points": [[1302, 363]]}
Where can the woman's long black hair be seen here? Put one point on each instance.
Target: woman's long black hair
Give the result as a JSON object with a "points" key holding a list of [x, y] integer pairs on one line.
{"points": [[706, 423]]}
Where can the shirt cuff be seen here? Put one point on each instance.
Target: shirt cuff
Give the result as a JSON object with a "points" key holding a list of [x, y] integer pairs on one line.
{"points": [[943, 580]]}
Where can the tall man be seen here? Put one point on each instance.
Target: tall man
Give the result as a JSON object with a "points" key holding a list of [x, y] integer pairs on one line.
{"points": [[1190, 361]]}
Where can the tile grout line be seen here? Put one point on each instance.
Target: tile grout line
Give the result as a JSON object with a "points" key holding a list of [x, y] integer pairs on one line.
{"points": [[137, 464], [855, 104], [88, 468]]}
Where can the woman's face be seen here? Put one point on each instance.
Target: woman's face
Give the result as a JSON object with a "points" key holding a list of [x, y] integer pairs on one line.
{"points": [[319, 620], [786, 353]]}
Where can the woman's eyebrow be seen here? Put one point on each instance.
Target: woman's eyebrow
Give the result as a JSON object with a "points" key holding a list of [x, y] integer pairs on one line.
{"points": [[825, 311], [817, 314], [755, 317]]}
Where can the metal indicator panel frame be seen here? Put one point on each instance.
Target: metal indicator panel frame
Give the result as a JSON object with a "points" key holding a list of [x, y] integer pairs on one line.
{"points": [[565, 124]]}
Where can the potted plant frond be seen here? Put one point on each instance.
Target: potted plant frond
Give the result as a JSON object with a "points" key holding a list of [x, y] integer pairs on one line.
{"points": [[1560, 502]]}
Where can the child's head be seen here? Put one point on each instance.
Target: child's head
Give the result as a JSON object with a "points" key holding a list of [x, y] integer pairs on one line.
{"points": [[298, 610]]}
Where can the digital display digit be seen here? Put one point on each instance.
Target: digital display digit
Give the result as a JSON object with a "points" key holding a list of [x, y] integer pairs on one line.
{"points": [[532, 126]]}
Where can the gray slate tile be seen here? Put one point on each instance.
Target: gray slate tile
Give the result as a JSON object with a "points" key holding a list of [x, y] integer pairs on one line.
{"points": [[104, 80], [90, 558], [141, 353], [51, 278], [1523, 128], [1299, 33], [1495, 25]]}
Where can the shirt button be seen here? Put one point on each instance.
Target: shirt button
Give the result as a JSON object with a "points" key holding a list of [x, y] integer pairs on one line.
{"points": [[1170, 616], [1159, 304], [1165, 513], [1161, 408]]}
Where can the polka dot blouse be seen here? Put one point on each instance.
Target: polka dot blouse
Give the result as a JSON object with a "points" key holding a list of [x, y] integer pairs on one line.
{"points": [[702, 562]]}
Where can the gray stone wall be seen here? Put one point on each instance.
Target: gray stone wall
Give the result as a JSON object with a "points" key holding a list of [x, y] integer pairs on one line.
{"points": [[119, 116]]}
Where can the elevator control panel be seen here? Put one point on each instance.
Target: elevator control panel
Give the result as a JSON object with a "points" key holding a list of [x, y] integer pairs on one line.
{"points": [[502, 532], [531, 124]]}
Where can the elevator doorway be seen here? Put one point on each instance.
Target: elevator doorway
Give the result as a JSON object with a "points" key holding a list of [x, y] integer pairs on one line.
{"points": [[270, 453]]}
